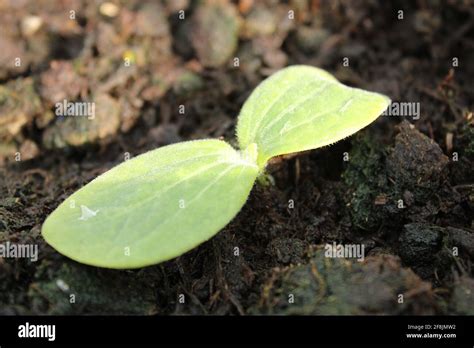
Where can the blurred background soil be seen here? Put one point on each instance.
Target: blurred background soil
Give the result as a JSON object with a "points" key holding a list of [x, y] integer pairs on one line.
{"points": [[140, 60]]}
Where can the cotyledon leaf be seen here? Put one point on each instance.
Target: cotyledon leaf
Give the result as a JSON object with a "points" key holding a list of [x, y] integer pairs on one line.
{"points": [[302, 108], [153, 207]]}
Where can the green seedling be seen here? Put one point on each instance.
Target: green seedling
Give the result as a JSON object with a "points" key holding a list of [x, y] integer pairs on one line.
{"points": [[165, 202]]}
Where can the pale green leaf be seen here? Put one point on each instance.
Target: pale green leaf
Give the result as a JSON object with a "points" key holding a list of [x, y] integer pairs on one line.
{"points": [[302, 108], [153, 207]]}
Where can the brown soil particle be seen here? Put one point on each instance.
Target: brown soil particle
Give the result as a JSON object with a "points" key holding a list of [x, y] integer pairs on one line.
{"points": [[416, 162]]}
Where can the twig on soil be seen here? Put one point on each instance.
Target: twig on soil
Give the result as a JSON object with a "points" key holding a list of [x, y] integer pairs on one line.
{"points": [[185, 285], [424, 287], [463, 186], [43, 173], [320, 280], [223, 283]]}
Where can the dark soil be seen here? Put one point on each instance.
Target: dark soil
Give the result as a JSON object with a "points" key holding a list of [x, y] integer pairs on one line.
{"points": [[403, 187]]}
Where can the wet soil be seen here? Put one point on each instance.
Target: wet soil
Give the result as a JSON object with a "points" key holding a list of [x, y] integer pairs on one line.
{"points": [[403, 187]]}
